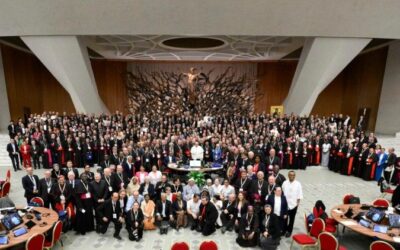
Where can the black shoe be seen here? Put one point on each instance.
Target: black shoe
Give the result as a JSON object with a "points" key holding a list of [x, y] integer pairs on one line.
{"points": [[223, 229], [137, 239], [192, 227], [287, 235], [117, 237]]}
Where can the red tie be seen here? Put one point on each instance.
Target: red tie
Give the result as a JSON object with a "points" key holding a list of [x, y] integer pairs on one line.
{"points": [[203, 212]]}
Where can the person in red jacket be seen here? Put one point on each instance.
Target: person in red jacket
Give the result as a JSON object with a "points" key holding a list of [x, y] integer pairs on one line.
{"points": [[25, 150]]}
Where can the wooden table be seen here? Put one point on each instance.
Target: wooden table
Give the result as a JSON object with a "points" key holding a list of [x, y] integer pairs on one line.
{"points": [[48, 216], [182, 169], [337, 213]]}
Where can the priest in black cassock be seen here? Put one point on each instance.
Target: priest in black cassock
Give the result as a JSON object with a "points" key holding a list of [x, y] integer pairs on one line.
{"points": [[84, 206], [208, 216], [248, 229]]}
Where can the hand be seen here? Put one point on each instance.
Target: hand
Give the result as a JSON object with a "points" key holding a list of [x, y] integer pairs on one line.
{"points": [[285, 216], [159, 218], [265, 234], [236, 222], [105, 219], [136, 224], [226, 211], [171, 218], [200, 218], [194, 216], [251, 236], [231, 216]]}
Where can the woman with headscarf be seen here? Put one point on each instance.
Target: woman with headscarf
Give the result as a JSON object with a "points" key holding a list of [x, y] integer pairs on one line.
{"points": [[148, 207]]}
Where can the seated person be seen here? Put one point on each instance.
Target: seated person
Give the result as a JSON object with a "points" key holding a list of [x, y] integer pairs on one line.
{"points": [[208, 217], [148, 208], [193, 211], [248, 228], [229, 213], [110, 211], [164, 214], [134, 223], [179, 210], [270, 230], [319, 212]]}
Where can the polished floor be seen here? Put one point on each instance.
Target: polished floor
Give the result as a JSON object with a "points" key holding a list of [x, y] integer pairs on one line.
{"points": [[318, 183]]}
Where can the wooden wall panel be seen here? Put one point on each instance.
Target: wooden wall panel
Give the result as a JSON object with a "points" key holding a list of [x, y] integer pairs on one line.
{"points": [[110, 80], [274, 80], [330, 100]]}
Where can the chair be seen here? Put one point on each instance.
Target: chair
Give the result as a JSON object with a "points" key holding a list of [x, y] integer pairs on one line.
{"points": [[37, 200], [55, 236], [307, 226], [305, 240], [327, 241], [35, 242], [346, 198], [8, 175], [381, 203], [180, 246], [5, 190], [386, 191], [208, 245], [380, 245]]}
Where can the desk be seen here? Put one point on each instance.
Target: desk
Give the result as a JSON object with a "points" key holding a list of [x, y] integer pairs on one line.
{"points": [[37, 229], [337, 213], [204, 169]]}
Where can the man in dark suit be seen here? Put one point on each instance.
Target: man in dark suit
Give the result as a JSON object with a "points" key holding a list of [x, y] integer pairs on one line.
{"points": [[107, 162], [229, 213], [45, 186], [134, 222], [169, 159], [208, 216], [129, 167], [13, 152], [120, 180], [69, 168], [30, 183], [259, 187], [272, 160], [110, 211], [164, 210], [12, 129], [35, 154]]}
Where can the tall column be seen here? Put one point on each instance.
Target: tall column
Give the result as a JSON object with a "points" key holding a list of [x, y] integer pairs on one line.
{"points": [[321, 60], [67, 59], [388, 121], [4, 107]]}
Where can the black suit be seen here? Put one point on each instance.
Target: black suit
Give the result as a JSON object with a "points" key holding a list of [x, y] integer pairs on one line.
{"points": [[31, 187], [45, 190], [261, 190], [13, 152], [209, 216], [168, 210], [36, 152], [112, 212], [228, 218], [150, 190], [120, 180], [135, 231], [76, 172], [129, 169], [272, 227]]}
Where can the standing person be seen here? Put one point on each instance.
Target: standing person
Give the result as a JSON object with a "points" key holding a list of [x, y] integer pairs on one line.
{"points": [[279, 205], [208, 217], [30, 183], [84, 206], [134, 223], [370, 165], [13, 153], [45, 185], [326, 148], [294, 193], [382, 162], [35, 154], [270, 230], [25, 150], [100, 193], [110, 211]]}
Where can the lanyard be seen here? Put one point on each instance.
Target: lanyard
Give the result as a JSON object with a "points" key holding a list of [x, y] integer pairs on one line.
{"points": [[242, 182], [61, 189], [85, 186]]}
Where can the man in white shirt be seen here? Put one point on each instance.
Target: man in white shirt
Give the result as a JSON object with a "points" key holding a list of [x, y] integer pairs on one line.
{"points": [[294, 193], [226, 190], [197, 152], [193, 210], [190, 189]]}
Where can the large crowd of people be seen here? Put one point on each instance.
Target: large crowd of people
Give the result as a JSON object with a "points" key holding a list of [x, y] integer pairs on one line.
{"points": [[114, 168]]}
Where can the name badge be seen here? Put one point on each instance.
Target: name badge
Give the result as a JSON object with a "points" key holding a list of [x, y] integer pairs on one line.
{"points": [[62, 197], [48, 190], [147, 160], [247, 228], [110, 189], [88, 195], [114, 216]]}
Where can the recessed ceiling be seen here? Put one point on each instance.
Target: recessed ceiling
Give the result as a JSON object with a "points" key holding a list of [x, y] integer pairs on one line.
{"points": [[190, 48]]}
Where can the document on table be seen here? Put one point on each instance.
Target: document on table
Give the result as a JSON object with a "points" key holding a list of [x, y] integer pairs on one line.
{"points": [[349, 223], [337, 211]]}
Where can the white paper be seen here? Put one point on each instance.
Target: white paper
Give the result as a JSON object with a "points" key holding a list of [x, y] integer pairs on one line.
{"points": [[349, 223], [338, 211], [396, 239]]}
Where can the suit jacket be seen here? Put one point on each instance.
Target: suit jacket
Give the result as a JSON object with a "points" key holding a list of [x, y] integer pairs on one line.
{"points": [[275, 161], [119, 181], [10, 149], [76, 172], [129, 171], [106, 210], [232, 210], [168, 208], [131, 219], [43, 188], [284, 204], [210, 215], [273, 226], [28, 185], [176, 208], [246, 185], [100, 190], [166, 160], [264, 188], [151, 190]]}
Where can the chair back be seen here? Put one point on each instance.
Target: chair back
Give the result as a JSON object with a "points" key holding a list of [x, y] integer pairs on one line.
{"points": [[381, 203], [38, 200], [208, 245], [380, 245], [317, 227], [5, 189], [8, 175], [327, 241], [35, 242], [57, 230], [306, 223], [346, 198], [180, 246]]}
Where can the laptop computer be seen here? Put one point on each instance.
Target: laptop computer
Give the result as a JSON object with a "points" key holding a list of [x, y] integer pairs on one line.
{"points": [[380, 228]]}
